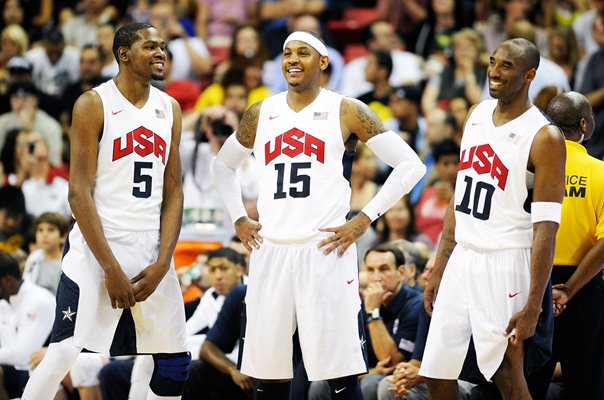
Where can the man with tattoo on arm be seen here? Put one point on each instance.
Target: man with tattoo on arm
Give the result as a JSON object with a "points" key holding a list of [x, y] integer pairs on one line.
{"points": [[498, 241], [303, 267]]}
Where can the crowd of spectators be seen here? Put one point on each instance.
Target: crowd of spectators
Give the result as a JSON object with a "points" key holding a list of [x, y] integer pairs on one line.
{"points": [[420, 64]]}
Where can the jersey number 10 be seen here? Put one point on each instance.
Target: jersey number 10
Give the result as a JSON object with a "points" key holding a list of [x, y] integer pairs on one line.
{"points": [[484, 212]]}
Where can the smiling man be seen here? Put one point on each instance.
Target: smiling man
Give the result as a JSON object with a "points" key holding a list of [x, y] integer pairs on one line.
{"points": [[302, 246], [119, 293], [498, 237]]}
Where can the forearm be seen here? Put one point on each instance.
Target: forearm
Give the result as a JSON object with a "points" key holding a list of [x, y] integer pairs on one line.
{"points": [[596, 98], [89, 223], [590, 266], [542, 257], [383, 344], [170, 223], [447, 241], [212, 354], [200, 65]]}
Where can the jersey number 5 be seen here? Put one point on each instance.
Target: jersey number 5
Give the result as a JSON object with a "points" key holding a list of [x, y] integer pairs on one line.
{"points": [[295, 177], [478, 210], [143, 191]]}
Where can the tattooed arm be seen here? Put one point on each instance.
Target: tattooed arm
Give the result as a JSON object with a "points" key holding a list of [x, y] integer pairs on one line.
{"points": [[445, 249], [358, 119], [233, 153]]}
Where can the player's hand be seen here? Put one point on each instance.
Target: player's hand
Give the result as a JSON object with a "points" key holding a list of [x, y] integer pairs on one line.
{"points": [[382, 367], [119, 289], [524, 322], [246, 383], [561, 298], [430, 293], [145, 283], [36, 358], [345, 235], [374, 295], [405, 376], [248, 232]]}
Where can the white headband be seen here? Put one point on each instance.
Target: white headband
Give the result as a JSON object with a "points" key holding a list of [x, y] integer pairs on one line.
{"points": [[308, 39]]}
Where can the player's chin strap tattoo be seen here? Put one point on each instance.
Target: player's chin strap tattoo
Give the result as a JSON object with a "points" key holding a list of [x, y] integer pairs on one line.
{"points": [[231, 156], [407, 171]]}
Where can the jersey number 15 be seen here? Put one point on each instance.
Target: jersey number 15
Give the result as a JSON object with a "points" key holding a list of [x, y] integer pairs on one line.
{"points": [[295, 178]]}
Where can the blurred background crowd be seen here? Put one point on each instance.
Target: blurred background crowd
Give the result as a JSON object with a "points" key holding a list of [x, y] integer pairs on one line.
{"points": [[420, 64]]}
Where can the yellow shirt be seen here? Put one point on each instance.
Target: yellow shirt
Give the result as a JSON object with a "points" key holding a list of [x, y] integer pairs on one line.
{"points": [[214, 94], [582, 223]]}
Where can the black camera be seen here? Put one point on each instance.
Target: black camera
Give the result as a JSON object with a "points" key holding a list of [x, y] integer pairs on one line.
{"points": [[31, 147], [218, 126]]}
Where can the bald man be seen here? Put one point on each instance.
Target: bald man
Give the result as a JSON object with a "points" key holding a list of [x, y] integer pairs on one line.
{"points": [[577, 290]]}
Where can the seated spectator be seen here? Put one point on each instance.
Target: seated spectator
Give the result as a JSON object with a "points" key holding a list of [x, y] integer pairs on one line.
{"points": [[190, 56], [216, 20], [398, 223], [26, 115], [463, 76], [377, 72], [46, 188], [55, 65], [104, 38], [364, 168], [391, 317], [415, 261], [13, 157], [14, 43], [215, 376], [26, 318], [184, 91], [443, 19], [15, 223], [43, 266], [82, 29], [564, 50], [406, 67], [407, 119], [405, 16], [430, 211]]}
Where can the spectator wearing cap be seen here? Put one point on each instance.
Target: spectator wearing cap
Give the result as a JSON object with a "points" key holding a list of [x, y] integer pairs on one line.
{"points": [[26, 318], [26, 115], [407, 119], [55, 65], [15, 223], [406, 66]]}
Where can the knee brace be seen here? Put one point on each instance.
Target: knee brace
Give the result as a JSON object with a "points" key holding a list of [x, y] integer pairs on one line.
{"points": [[170, 373]]}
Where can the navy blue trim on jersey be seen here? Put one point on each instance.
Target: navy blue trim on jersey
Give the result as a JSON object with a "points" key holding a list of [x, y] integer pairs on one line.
{"points": [[347, 159], [363, 337], [14, 380], [66, 312], [67, 245], [124, 339]]}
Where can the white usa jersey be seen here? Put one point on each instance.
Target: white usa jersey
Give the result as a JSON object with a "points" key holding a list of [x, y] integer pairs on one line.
{"points": [[132, 157], [491, 188], [300, 167]]}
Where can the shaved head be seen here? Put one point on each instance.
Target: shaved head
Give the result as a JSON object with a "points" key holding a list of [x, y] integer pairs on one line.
{"points": [[529, 52], [567, 110]]}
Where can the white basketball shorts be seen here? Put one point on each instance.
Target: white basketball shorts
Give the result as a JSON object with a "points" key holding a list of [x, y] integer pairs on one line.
{"points": [[296, 286], [156, 325], [478, 294]]}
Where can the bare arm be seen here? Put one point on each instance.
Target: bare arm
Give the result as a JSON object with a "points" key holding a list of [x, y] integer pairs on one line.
{"points": [[201, 20], [212, 354], [596, 98], [547, 157], [357, 118], [246, 133], [86, 129], [383, 343], [171, 216]]}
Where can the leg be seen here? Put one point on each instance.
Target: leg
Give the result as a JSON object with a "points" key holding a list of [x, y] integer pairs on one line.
{"points": [[85, 375], [141, 376], [346, 388], [442, 389], [369, 386], [169, 376], [319, 390], [509, 378], [57, 362], [273, 390], [114, 379]]}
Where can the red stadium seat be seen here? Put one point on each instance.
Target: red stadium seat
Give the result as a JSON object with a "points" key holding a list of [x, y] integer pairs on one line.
{"points": [[186, 251], [218, 54]]}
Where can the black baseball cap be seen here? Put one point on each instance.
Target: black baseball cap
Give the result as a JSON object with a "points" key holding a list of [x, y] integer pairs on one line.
{"points": [[22, 87], [409, 92]]}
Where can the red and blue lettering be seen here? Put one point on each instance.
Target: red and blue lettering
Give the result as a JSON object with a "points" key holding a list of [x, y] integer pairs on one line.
{"points": [[483, 160], [141, 141], [293, 143]]}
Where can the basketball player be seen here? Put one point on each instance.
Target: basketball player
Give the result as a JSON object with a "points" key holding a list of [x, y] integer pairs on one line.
{"points": [[119, 293], [498, 242], [303, 267], [579, 256]]}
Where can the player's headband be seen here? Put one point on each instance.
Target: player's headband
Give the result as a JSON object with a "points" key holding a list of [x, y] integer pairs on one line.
{"points": [[308, 39]]}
